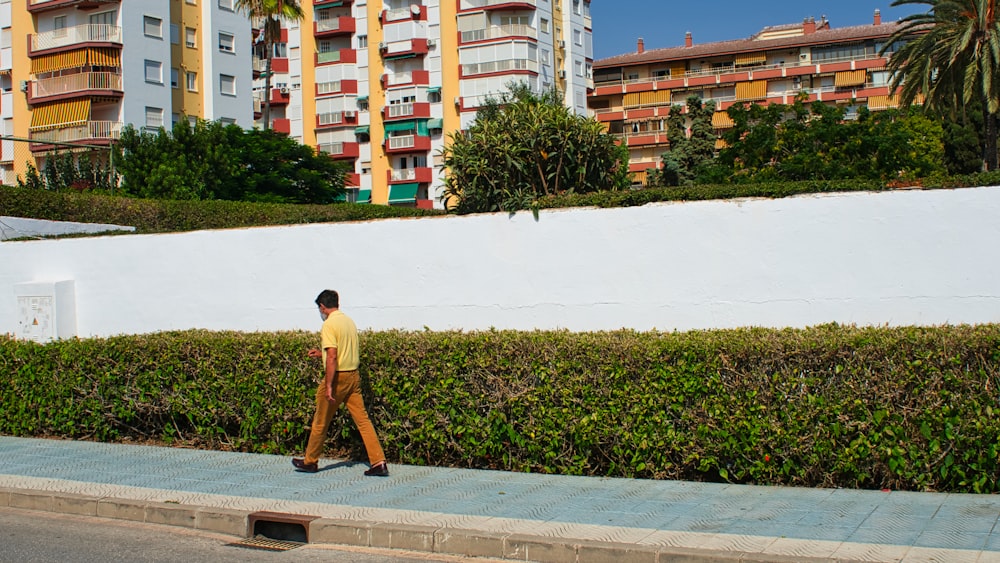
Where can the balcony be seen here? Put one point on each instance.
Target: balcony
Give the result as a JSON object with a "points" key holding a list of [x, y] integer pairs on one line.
{"points": [[335, 87], [93, 132], [334, 26], [75, 36], [404, 49], [407, 144], [499, 32], [422, 175], [414, 12], [281, 125], [280, 96], [409, 110], [82, 84], [37, 6], [409, 78], [492, 67], [340, 150], [336, 119], [499, 4], [345, 56]]}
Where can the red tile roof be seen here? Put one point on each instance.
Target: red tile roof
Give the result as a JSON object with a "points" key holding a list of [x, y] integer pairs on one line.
{"points": [[819, 38]]}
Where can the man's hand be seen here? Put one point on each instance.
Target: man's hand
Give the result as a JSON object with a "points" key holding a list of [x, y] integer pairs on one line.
{"points": [[329, 393], [314, 353]]}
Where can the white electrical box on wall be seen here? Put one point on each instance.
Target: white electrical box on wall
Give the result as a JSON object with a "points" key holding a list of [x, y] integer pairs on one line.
{"points": [[45, 310]]}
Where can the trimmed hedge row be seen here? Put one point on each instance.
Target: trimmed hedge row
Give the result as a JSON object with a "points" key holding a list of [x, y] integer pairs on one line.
{"points": [[768, 190], [833, 406], [153, 216]]}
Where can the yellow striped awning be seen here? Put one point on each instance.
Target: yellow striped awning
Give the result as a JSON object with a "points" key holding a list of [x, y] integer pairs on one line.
{"points": [[750, 59], [721, 120], [58, 61], [721, 144], [104, 56], [651, 98], [876, 103], [850, 78], [752, 90], [677, 70], [639, 177], [60, 114]]}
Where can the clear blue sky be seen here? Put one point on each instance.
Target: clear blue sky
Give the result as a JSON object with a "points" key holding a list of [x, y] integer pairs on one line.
{"points": [[662, 23]]}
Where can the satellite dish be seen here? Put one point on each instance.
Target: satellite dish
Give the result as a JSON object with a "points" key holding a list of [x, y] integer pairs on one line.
{"points": [[415, 8]]}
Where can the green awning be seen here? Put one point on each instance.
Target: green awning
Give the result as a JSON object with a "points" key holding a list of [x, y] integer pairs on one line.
{"points": [[434, 90], [418, 125], [364, 196], [362, 98], [362, 130], [435, 123], [399, 56], [403, 193]]}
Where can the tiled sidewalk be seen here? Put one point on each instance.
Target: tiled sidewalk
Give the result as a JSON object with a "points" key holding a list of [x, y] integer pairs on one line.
{"points": [[499, 514]]}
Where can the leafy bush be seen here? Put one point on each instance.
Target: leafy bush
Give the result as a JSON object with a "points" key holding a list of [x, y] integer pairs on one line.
{"points": [[151, 216], [834, 406]]}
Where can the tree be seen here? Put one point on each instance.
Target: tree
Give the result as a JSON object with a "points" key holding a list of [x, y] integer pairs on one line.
{"points": [[692, 142], [523, 146], [209, 160], [950, 55], [271, 12]]}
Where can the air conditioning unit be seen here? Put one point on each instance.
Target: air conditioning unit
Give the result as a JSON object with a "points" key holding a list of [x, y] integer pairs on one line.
{"points": [[431, 42], [562, 44], [349, 113], [382, 46], [458, 101], [284, 90], [562, 74]]}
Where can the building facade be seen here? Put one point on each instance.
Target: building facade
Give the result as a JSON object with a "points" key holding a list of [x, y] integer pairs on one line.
{"points": [[634, 92], [65, 79], [380, 84]]}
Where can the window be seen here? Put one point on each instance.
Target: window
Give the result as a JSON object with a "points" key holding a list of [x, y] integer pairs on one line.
{"points": [[227, 84], [577, 8], [578, 37], [152, 27], [227, 121], [189, 37], [174, 118], [280, 50], [154, 72], [191, 80], [544, 25], [362, 41], [192, 2], [154, 117], [174, 77], [363, 104], [227, 43], [579, 68], [226, 5], [59, 26], [175, 34]]}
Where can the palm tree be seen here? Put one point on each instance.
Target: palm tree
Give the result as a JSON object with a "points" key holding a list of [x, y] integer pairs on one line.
{"points": [[951, 56], [271, 12]]}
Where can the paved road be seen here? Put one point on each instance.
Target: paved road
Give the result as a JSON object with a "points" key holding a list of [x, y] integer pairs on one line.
{"points": [[46, 537]]}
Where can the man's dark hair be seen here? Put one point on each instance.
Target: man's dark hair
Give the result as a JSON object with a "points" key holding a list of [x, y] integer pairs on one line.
{"points": [[329, 299]]}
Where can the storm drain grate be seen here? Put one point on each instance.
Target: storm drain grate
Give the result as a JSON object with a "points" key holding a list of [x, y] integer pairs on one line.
{"points": [[262, 542]]}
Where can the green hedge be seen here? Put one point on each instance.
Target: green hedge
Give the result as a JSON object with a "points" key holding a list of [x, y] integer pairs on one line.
{"points": [[153, 216], [833, 406], [765, 189]]}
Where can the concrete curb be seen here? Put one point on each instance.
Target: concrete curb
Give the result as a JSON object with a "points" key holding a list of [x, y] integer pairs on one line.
{"points": [[360, 533]]}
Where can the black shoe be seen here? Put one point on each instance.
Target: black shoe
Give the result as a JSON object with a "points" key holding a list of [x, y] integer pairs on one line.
{"points": [[301, 465], [379, 470]]}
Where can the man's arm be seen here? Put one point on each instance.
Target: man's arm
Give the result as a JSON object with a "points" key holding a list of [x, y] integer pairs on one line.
{"points": [[331, 372]]}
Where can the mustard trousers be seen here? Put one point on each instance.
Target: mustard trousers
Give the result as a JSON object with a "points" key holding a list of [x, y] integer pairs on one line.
{"points": [[348, 390]]}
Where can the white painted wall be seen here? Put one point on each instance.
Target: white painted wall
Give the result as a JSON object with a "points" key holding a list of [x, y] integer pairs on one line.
{"points": [[899, 258], [16, 227]]}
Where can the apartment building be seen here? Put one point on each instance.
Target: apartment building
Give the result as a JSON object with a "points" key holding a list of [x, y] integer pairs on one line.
{"points": [[379, 84], [65, 79], [633, 92]]}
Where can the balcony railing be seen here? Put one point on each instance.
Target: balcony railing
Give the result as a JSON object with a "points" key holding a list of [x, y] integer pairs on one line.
{"points": [[399, 78], [403, 175], [499, 66], [330, 24], [398, 14], [328, 57], [76, 83], [90, 130], [498, 32], [74, 35], [400, 110], [472, 4], [403, 142], [735, 70]]}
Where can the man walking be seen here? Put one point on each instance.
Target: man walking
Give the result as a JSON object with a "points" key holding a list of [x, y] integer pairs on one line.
{"points": [[341, 384]]}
